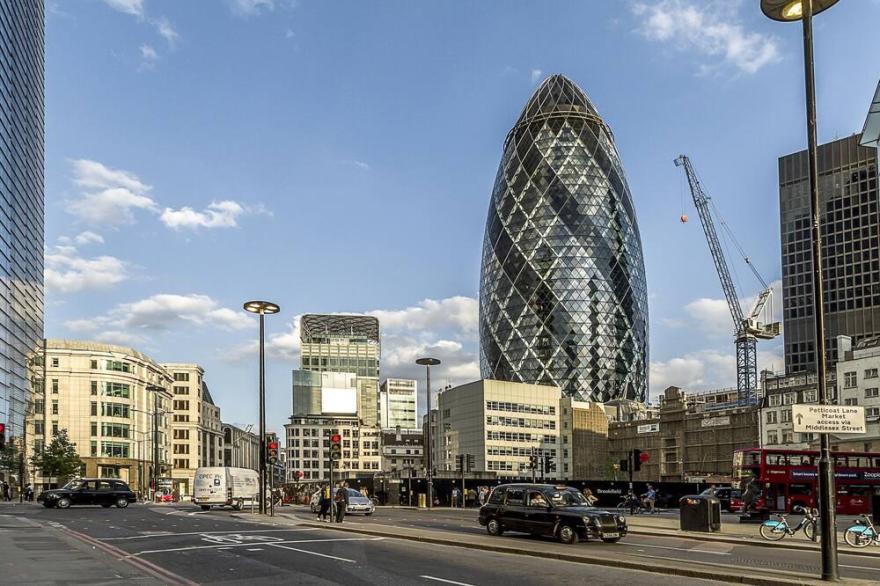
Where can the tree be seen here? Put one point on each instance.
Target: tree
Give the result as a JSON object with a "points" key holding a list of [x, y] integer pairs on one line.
{"points": [[9, 457], [59, 458]]}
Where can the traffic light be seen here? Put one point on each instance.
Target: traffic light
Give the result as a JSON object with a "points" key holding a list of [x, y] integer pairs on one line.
{"points": [[2, 436], [470, 462], [459, 463], [533, 461], [548, 463], [272, 452], [335, 448], [624, 465], [637, 460]]}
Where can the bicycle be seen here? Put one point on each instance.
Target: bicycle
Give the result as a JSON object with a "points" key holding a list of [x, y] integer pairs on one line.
{"points": [[862, 534], [774, 530], [630, 504]]}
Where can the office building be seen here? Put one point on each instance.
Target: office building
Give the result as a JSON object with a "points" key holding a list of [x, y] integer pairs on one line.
{"points": [[308, 448], [563, 297], [858, 382], [781, 391], [22, 201], [397, 404], [850, 248], [584, 439], [115, 404], [345, 344], [196, 430], [402, 452], [241, 447]]}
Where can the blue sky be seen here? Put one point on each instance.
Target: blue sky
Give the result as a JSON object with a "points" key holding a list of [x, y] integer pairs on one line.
{"points": [[339, 157]]}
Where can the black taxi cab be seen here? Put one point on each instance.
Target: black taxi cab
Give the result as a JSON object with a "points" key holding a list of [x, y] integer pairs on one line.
{"points": [[545, 509]]}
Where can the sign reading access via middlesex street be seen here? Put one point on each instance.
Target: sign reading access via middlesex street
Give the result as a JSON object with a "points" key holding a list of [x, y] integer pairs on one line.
{"points": [[828, 418]]}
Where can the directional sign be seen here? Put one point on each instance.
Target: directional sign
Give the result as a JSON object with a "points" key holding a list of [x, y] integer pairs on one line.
{"points": [[828, 418]]}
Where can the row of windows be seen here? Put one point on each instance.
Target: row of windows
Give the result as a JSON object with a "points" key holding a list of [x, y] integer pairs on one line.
{"points": [[520, 408], [520, 422], [516, 451], [513, 436]]}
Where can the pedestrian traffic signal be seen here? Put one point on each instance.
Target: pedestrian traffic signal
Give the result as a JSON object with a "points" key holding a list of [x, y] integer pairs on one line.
{"points": [[470, 462], [533, 461], [624, 465], [636, 460], [272, 452], [335, 447], [548, 463], [2, 436], [459, 463]]}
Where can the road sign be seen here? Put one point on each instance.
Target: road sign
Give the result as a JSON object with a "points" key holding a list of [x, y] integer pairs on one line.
{"points": [[828, 418]]}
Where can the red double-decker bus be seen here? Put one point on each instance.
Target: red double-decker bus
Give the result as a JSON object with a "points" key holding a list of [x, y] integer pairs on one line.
{"points": [[789, 478]]}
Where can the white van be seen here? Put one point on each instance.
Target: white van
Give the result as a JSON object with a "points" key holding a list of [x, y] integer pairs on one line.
{"points": [[219, 486]]}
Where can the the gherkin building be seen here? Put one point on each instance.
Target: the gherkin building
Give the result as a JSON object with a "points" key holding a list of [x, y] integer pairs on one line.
{"points": [[563, 299]]}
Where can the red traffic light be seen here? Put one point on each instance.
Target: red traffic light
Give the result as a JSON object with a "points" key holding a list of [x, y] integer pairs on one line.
{"points": [[644, 457], [335, 438], [2, 428], [273, 445]]}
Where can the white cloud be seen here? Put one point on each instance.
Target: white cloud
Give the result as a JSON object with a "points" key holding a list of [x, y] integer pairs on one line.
{"points": [[289, 34], [88, 237], [245, 8], [459, 313], [67, 272], [133, 7], [713, 317], [222, 214], [107, 196], [94, 175], [163, 312], [535, 75], [166, 31], [148, 56], [710, 28]]}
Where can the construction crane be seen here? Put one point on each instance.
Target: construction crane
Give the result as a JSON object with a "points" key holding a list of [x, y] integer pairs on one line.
{"points": [[747, 329]]}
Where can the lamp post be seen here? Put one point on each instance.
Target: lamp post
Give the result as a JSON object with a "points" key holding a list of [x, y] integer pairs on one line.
{"points": [[154, 478], [428, 363], [803, 10], [262, 308]]}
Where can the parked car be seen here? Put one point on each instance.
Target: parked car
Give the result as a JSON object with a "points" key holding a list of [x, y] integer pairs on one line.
{"points": [[106, 492], [544, 509], [357, 503], [731, 498]]}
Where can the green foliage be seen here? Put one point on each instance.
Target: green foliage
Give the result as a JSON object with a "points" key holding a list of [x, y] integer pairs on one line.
{"points": [[9, 457], [59, 458]]}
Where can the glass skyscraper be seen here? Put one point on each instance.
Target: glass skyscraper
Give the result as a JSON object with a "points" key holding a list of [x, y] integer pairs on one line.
{"points": [[563, 299], [21, 198]]}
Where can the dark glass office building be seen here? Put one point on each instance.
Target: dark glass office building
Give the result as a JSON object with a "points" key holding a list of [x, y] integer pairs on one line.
{"points": [[21, 198], [850, 221], [563, 299]]}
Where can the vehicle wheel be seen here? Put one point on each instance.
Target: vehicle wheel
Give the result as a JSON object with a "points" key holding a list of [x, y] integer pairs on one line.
{"points": [[63, 503], [206, 507], [772, 532], [622, 508], [861, 537], [811, 530], [611, 539], [567, 534], [106, 505], [122, 502], [494, 527]]}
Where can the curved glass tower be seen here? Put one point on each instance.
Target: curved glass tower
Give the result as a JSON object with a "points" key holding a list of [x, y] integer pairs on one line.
{"points": [[563, 299]]}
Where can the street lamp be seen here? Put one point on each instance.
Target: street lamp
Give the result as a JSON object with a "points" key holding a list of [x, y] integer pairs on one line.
{"points": [[803, 10], [155, 476], [428, 363], [262, 308]]}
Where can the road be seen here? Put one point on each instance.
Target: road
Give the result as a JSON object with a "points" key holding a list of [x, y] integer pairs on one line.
{"points": [[189, 546], [642, 546]]}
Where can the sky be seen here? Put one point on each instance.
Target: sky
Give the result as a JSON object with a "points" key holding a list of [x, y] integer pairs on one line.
{"points": [[338, 157]]}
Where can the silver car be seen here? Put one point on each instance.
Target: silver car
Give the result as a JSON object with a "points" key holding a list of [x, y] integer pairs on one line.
{"points": [[357, 503]]}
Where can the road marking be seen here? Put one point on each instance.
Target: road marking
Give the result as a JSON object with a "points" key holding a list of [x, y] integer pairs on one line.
{"points": [[689, 550], [227, 546], [436, 579], [255, 549], [323, 555], [171, 534], [858, 567]]}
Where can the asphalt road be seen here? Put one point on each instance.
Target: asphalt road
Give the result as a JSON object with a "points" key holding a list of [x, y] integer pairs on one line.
{"points": [[639, 545], [191, 546]]}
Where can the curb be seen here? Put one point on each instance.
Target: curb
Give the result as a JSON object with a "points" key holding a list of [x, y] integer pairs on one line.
{"points": [[722, 574]]}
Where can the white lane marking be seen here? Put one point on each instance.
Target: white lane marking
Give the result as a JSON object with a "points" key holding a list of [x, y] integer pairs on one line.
{"points": [[436, 579], [859, 567], [195, 547], [255, 549], [323, 555], [689, 550], [171, 534]]}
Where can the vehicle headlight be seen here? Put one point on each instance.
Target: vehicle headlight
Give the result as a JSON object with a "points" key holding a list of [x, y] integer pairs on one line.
{"points": [[621, 519]]}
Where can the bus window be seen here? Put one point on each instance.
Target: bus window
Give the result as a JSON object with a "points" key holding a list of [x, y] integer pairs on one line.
{"points": [[753, 459], [801, 460], [841, 462], [800, 490], [776, 460]]}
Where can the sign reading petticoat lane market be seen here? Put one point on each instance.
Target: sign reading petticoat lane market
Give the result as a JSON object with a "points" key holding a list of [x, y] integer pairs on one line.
{"points": [[828, 418]]}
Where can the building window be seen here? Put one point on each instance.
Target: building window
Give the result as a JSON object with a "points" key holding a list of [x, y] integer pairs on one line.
{"points": [[870, 373], [94, 387], [38, 407], [811, 396], [181, 405], [181, 434], [771, 416], [115, 429], [178, 418], [181, 376], [181, 448], [114, 450], [785, 416], [775, 400], [788, 398], [787, 437], [54, 407], [872, 393], [94, 429], [179, 390], [55, 428], [94, 449], [872, 412], [849, 380], [181, 463], [38, 428], [94, 365], [118, 366], [851, 401], [54, 386], [94, 410], [115, 410], [54, 363], [121, 390]]}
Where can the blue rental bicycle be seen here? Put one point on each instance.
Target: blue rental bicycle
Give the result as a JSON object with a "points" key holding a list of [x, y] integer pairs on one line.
{"points": [[776, 529], [862, 534]]}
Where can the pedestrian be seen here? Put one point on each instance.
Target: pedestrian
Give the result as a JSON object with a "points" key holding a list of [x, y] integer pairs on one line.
{"points": [[590, 497], [29, 492], [324, 502], [6, 492], [456, 494], [649, 498], [341, 502], [484, 493], [750, 495]]}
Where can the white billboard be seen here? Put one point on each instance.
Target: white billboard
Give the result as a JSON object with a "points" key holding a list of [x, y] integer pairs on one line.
{"points": [[338, 401]]}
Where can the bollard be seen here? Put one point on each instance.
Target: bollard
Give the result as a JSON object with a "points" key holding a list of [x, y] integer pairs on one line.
{"points": [[423, 501]]}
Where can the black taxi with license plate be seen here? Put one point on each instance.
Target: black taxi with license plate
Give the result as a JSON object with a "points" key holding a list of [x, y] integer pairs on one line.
{"points": [[545, 509]]}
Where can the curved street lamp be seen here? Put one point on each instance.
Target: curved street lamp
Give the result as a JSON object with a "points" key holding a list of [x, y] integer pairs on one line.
{"points": [[803, 10], [262, 308], [428, 363]]}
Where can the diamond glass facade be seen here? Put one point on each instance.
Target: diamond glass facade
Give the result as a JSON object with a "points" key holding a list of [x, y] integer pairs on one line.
{"points": [[21, 200], [563, 298]]}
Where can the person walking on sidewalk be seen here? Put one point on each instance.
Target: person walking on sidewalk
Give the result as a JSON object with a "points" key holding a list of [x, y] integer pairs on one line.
{"points": [[324, 502], [29, 492], [341, 502]]}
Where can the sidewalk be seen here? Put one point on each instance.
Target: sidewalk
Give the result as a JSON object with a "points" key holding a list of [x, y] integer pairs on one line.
{"points": [[601, 556], [31, 553]]}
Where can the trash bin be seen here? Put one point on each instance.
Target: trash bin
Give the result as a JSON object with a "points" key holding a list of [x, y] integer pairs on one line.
{"points": [[700, 513], [423, 500]]}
